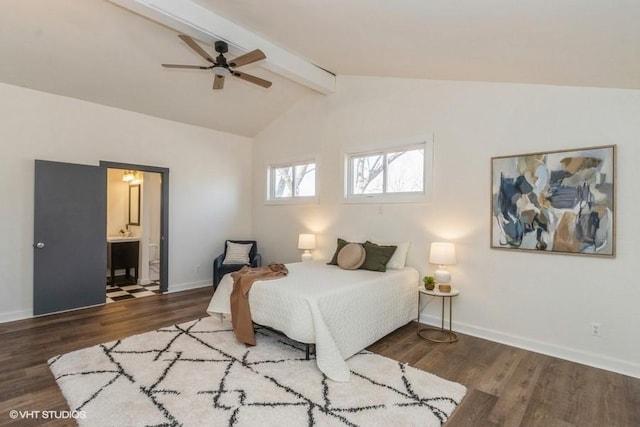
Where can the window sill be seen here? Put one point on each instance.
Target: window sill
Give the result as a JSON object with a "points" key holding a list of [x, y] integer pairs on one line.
{"points": [[387, 199], [292, 201]]}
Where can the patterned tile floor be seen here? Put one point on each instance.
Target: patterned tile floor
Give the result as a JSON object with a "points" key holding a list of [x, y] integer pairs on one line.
{"points": [[124, 291]]}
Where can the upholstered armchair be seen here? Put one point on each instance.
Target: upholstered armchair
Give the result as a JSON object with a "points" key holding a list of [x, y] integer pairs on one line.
{"points": [[220, 268]]}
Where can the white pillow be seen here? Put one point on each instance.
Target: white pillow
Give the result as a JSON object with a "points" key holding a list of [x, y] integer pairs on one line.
{"points": [[399, 258], [237, 253]]}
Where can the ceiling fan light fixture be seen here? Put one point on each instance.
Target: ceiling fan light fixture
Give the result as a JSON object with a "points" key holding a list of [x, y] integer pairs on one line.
{"points": [[221, 71]]}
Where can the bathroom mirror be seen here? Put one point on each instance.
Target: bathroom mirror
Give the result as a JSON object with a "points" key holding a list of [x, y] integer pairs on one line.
{"points": [[134, 204]]}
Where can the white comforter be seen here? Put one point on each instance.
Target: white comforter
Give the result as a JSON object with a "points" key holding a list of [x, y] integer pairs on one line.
{"points": [[341, 311]]}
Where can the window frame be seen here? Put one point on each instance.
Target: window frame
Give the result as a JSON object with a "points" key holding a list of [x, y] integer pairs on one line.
{"points": [[389, 197], [271, 198]]}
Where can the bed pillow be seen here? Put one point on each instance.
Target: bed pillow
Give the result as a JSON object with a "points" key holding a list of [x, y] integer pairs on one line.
{"points": [[237, 253], [377, 256], [399, 258], [341, 244], [351, 256]]}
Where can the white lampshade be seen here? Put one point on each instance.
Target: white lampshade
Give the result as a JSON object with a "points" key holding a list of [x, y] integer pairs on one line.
{"points": [[306, 242], [442, 254]]}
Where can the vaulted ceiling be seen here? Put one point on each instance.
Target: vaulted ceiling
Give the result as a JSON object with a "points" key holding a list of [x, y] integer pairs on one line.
{"points": [[98, 51]]}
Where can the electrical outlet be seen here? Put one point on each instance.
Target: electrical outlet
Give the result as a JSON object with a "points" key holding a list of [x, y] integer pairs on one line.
{"points": [[197, 268], [595, 329]]}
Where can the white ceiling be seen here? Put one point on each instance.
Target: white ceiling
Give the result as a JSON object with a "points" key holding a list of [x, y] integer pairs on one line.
{"points": [[99, 52], [559, 42]]}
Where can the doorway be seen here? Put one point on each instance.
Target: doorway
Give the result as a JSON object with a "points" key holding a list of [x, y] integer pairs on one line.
{"points": [[137, 230]]}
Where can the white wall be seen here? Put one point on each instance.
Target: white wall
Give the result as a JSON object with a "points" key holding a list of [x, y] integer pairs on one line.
{"points": [[542, 302], [117, 202], [210, 180], [153, 199], [151, 226]]}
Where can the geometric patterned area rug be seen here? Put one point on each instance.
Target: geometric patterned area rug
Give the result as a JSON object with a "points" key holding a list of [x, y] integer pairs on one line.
{"points": [[196, 374]]}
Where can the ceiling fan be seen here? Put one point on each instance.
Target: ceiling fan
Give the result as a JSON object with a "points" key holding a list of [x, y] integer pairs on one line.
{"points": [[221, 66]]}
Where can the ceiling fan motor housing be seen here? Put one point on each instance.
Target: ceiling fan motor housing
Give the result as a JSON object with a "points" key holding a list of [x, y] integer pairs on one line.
{"points": [[221, 47]]}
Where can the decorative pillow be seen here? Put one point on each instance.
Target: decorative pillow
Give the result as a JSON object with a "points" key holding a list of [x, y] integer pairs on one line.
{"points": [[399, 258], [237, 253], [377, 256], [351, 256], [341, 244]]}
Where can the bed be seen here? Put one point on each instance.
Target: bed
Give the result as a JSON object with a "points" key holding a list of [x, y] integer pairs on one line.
{"points": [[340, 311]]}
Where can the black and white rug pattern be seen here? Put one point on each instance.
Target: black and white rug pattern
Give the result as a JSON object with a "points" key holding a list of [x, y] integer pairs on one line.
{"points": [[196, 374]]}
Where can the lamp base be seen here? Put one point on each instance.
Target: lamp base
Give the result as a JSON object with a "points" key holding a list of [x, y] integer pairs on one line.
{"points": [[306, 256], [442, 275], [444, 288]]}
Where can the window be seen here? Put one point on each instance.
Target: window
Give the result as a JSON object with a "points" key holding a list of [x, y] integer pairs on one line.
{"points": [[292, 181], [393, 174]]}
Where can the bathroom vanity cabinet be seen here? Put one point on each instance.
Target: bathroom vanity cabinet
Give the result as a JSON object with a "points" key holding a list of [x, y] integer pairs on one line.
{"points": [[123, 254]]}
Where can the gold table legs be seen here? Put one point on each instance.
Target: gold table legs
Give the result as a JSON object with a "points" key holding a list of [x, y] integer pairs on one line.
{"points": [[434, 334]]}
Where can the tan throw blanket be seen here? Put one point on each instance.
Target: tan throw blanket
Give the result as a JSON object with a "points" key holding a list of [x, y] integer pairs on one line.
{"points": [[242, 281]]}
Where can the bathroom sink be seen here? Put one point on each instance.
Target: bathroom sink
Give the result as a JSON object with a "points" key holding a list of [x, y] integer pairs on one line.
{"points": [[120, 238]]}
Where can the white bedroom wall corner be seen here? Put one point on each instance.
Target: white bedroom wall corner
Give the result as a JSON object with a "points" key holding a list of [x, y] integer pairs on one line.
{"points": [[303, 130]]}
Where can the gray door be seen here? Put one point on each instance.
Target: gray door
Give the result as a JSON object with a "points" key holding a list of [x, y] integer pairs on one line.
{"points": [[70, 258]]}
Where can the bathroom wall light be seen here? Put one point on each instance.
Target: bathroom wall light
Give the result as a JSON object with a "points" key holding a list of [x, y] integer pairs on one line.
{"points": [[128, 176], [132, 177], [137, 178]]}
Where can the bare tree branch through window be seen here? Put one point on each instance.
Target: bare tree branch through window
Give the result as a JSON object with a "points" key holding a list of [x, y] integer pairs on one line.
{"points": [[388, 172], [294, 180]]}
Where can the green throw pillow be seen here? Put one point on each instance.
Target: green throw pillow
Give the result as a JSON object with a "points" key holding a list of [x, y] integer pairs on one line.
{"points": [[341, 244], [377, 256]]}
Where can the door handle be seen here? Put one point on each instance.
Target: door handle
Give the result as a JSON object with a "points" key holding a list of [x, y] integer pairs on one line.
{"points": [[39, 245]]}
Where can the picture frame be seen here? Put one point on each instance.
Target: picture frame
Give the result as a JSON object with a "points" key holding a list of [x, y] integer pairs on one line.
{"points": [[560, 202]]}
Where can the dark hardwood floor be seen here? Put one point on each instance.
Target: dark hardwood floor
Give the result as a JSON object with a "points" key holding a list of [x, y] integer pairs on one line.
{"points": [[506, 386]]}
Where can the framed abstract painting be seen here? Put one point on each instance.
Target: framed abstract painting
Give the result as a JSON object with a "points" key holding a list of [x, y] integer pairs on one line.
{"points": [[555, 201]]}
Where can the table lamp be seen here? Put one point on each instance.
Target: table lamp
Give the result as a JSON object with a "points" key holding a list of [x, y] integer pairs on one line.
{"points": [[306, 242], [442, 254]]}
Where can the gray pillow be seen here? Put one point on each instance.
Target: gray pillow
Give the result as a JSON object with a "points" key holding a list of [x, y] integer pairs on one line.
{"points": [[377, 256], [341, 244]]}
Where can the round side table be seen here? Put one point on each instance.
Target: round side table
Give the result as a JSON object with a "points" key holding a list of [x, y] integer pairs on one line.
{"points": [[434, 334]]}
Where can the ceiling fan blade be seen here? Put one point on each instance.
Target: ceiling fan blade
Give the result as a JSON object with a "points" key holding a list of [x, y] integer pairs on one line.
{"points": [[195, 67], [195, 46], [218, 82], [252, 79], [247, 58]]}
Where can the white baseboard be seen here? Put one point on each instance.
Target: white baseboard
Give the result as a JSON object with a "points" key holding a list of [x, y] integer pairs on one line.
{"points": [[27, 314], [191, 285], [15, 315], [591, 359]]}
